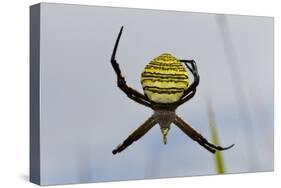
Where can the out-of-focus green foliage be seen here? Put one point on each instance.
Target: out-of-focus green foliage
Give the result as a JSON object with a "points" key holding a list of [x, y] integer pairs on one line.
{"points": [[214, 137]]}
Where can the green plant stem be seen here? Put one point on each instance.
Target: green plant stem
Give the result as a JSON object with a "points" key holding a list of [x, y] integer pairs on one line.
{"points": [[214, 137]]}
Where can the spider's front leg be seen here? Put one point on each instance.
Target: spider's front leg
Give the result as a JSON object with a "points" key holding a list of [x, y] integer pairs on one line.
{"points": [[121, 82], [189, 131], [137, 134], [191, 90]]}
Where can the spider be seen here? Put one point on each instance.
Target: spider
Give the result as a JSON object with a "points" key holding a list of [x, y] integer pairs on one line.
{"points": [[165, 83]]}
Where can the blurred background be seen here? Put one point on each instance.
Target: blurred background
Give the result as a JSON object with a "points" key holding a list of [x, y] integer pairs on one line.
{"points": [[84, 115]]}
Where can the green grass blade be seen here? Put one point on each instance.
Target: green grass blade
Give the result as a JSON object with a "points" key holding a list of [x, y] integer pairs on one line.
{"points": [[220, 167]]}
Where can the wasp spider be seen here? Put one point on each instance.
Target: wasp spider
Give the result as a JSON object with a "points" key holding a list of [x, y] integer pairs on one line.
{"points": [[166, 86]]}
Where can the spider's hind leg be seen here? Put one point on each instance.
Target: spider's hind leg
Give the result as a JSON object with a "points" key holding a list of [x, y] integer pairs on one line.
{"points": [[189, 131], [121, 82], [191, 90]]}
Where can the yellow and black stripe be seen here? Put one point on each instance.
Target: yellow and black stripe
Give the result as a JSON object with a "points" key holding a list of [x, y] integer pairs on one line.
{"points": [[164, 79]]}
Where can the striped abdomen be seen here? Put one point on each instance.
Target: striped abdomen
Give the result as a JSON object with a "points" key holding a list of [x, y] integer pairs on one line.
{"points": [[164, 79]]}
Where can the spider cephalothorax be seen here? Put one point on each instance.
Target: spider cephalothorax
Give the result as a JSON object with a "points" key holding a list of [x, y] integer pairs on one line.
{"points": [[166, 86]]}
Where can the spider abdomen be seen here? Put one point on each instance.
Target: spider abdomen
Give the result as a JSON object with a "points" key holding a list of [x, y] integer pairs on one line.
{"points": [[164, 79]]}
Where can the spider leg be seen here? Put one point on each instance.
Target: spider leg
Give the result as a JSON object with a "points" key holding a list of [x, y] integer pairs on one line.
{"points": [[187, 97], [191, 90], [137, 134], [121, 82], [189, 131]]}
